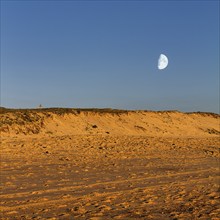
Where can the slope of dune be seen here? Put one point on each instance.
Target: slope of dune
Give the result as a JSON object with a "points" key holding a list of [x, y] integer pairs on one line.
{"points": [[49, 122]]}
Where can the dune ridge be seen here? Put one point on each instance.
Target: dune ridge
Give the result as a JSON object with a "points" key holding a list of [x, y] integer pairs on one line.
{"points": [[55, 121]]}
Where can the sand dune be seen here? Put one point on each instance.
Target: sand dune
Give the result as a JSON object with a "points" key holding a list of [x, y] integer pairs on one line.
{"points": [[109, 164], [116, 122]]}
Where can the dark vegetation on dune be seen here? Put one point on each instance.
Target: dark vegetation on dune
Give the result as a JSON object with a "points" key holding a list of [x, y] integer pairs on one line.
{"points": [[62, 111]]}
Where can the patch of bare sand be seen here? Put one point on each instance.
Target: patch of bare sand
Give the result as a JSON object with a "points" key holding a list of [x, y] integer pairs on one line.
{"points": [[110, 177]]}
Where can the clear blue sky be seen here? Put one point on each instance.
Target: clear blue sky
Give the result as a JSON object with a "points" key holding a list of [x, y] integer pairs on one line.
{"points": [[104, 54]]}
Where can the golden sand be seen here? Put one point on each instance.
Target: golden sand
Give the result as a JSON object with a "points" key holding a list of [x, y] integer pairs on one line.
{"points": [[108, 164]]}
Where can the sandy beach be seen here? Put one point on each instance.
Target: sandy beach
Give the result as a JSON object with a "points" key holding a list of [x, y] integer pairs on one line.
{"points": [[109, 164]]}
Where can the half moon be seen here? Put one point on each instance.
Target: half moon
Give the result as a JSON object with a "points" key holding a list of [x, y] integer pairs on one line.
{"points": [[162, 62]]}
